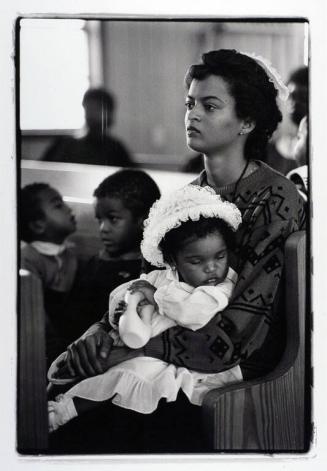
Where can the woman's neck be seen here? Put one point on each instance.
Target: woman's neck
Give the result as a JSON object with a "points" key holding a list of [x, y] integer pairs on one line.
{"points": [[223, 170]]}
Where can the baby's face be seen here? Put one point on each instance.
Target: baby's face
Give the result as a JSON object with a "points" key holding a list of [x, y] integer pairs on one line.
{"points": [[203, 261]]}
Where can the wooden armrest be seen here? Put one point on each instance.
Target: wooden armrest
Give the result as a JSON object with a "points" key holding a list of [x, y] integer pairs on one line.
{"points": [[32, 414], [268, 413]]}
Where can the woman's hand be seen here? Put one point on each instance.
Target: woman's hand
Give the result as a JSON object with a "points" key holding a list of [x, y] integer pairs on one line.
{"points": [[89, 355], [145, 288], [93, 354]]}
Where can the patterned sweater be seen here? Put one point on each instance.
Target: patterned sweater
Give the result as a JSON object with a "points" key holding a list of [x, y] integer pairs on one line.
{"points": [[250, 330]]}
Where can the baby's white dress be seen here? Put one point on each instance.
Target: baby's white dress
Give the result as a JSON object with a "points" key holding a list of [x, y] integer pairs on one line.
{"points": [[140, 383]]}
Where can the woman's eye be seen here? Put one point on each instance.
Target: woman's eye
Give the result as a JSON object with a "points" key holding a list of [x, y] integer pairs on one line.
{"points": [[210, 107], [189, 105]]}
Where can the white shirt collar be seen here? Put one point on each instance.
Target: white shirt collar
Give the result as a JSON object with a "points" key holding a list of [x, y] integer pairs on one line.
{"points": [[48, 248]]}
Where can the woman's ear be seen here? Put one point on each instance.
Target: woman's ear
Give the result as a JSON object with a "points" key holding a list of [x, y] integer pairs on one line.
{"points": [[247, 126]]}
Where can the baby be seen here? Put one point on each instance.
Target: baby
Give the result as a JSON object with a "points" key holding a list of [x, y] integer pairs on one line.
{"points": [[189, 233]]}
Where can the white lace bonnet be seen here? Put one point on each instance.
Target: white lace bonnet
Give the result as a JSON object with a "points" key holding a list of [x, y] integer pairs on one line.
{"points": [[187, 203]]}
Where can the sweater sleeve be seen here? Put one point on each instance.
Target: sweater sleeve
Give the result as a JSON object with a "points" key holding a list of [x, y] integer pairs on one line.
{"points": [[234, 334]]}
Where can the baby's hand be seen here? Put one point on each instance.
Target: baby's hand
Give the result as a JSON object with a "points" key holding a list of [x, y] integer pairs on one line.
{"points": [[145, 288], [119, 311]]}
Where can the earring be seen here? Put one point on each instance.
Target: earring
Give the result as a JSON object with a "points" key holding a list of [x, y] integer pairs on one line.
{"points": [[241, 133]]}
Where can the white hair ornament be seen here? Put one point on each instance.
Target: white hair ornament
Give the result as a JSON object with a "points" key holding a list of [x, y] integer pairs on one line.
{"points": [[188, 203], [274, 77]]}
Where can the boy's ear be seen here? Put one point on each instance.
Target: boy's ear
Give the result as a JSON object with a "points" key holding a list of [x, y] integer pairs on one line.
{"points": [[37, 226]]}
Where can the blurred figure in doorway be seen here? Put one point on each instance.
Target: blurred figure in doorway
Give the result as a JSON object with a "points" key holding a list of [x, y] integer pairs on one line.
{"points": [[96, 146]]}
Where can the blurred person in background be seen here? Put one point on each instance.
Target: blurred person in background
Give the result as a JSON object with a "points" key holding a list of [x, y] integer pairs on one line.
{"points": [[280, 152], [96, 146], [299, 175], [298, 85]]}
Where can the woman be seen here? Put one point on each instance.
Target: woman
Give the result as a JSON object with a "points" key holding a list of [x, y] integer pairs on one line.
{"points": [[231, 112]]}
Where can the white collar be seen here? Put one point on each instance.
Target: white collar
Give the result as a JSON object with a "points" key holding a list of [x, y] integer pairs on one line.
{"points": [[171, 274], [48, 248]]}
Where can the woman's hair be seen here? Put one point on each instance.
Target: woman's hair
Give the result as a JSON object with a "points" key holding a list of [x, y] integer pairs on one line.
{"points": [[30, 209], [254, 94], [190, 230], [135, 188]]}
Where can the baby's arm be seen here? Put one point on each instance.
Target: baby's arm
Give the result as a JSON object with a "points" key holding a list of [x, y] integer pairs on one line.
{"points": [[195, 309], [146, 288]]}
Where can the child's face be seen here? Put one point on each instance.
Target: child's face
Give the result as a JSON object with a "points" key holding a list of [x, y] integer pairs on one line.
{"points": [[211, 123], [58, 220], [203, 261], [120, 231]]}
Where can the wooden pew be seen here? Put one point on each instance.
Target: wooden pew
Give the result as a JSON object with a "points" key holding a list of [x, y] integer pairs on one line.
{"points": [[270, 414], [32, 414]]}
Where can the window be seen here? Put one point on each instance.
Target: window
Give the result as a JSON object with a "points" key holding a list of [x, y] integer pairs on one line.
{"points": [[54, 73]]}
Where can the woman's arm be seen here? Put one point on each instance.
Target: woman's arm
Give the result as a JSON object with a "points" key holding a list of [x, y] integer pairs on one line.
{"points": [[94, 354], [234, 334]]}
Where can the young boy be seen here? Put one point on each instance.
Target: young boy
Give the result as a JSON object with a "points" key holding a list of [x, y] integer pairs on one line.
{"points": [[45, 223], [122, 203]]}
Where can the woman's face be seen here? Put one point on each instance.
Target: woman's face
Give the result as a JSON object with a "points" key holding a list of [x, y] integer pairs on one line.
{"points": [[211, 123]]}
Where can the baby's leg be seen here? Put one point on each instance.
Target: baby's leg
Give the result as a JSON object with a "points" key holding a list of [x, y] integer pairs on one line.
{"points": [[66, 408]]}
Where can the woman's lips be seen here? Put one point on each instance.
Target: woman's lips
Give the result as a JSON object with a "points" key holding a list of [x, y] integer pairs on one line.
{"points": [[192, 131]]}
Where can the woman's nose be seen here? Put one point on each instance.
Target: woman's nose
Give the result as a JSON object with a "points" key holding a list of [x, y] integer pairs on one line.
{"points": [[194, 113]]}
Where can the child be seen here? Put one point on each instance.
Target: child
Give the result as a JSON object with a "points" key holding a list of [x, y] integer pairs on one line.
{"points": [[122, 202], [45, 223], [189, 232]]}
